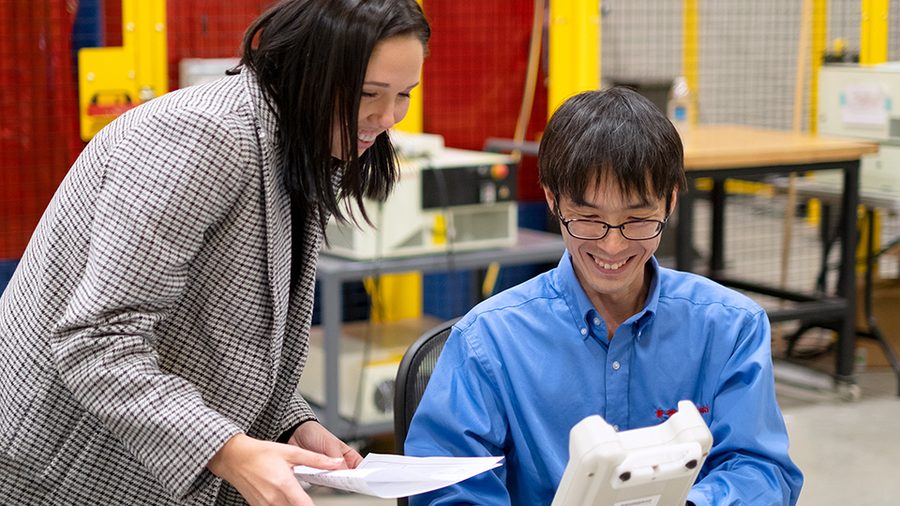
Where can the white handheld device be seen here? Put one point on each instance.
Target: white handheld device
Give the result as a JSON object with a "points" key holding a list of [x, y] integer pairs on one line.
{"points": [[651, 466]]}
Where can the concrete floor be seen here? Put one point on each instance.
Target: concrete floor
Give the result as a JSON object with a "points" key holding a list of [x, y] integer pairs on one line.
{"points": [[849, 452]]}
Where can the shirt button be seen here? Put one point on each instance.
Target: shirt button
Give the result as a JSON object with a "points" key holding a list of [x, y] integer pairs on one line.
{"points": [[596, 321], [584, 332], [616, 428], [616, 365]]}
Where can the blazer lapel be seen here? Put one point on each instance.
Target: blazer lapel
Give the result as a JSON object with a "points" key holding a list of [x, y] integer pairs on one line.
{"points": [[278, 213]]}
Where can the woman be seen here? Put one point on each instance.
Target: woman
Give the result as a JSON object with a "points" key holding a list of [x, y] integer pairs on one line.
{"points": [[155, 330]]}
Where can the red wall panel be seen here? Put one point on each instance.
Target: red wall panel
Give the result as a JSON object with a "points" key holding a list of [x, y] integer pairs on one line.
{"points": [[473, 82], [474, 76], [38, 113], [112, 23], [207, 29], [39, 137], [196, 28]]}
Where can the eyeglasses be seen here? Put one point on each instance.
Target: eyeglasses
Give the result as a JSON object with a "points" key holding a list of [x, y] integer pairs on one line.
{"points": [[594, 230]]}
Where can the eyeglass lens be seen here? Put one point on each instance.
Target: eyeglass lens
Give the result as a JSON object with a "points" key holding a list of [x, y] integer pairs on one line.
{"points": [[635, 230]]}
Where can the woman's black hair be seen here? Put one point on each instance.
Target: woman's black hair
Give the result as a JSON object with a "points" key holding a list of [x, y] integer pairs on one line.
{"points": [[614, 135], [310, 58]]}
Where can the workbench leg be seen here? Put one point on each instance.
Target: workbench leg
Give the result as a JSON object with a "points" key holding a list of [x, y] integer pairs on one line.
{"points": [[846, 345], [873, 330], [684, 232], [717, 237]]}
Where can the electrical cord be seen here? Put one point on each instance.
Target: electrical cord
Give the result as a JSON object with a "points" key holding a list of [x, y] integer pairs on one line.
{"points": [[531, 75], [372, 286], [449, 225]]}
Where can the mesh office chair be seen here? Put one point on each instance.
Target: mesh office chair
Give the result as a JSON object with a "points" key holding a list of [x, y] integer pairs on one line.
{"points": [[412, 378]]}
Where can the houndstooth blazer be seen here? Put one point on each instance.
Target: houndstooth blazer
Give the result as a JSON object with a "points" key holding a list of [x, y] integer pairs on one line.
{"points": [[149, 319]]}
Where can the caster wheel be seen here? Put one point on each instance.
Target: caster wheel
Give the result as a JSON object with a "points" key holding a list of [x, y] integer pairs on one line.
{"points": [[850, 392]]}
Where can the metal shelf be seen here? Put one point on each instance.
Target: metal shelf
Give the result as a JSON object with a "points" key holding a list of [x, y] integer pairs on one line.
{"points": [[532, 247]]}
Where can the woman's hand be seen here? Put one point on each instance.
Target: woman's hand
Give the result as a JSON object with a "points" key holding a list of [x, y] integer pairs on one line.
{"points": [[314, 437], [262, 471]]}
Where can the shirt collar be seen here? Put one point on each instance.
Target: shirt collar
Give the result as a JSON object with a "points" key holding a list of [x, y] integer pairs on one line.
{"points": [[653, 293], [580, 305]]}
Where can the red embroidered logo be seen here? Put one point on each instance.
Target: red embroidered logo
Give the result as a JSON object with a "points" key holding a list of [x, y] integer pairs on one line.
{"points": [[666, 413]]}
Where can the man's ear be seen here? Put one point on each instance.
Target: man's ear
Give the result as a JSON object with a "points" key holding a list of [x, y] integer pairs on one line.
{"points": [[551, 200], [672, 202]]}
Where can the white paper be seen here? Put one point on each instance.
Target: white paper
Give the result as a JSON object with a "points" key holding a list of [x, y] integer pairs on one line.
{"points": [[393, 476]]}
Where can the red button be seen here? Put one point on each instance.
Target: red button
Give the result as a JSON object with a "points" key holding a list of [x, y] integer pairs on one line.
{"points": [[499, 171]]}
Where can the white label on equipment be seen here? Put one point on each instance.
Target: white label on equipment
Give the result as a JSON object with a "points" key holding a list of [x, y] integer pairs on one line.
{"points": [[643, 501], [864, 104]]}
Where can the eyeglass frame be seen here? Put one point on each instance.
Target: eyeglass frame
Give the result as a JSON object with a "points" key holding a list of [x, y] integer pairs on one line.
{"points": [[621, 226]]}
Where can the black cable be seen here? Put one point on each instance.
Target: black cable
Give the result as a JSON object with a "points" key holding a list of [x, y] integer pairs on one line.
{"points": [[449, 225], [376, 308]]}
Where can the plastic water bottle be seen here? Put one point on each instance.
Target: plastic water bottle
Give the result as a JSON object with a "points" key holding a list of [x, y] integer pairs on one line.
{"points": [[679, 107]]}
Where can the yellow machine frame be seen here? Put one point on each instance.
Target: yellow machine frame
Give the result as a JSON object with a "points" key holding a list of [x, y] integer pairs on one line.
{"points": [[114, 79]]}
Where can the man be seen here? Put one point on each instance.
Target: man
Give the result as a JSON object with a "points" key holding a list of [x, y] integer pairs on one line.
{"points": [[607, 332]]}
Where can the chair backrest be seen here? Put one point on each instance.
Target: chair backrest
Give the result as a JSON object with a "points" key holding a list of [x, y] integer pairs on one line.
{"points": [[412, 377]]}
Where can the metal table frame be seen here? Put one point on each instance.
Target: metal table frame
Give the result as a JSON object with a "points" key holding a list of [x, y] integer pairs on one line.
{"points": [[871, 199], [840, 308], [532, 247]]}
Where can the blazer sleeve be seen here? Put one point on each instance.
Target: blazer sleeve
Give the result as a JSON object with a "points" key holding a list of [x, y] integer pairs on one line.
{"points": [[166, 182], [297, 413]]}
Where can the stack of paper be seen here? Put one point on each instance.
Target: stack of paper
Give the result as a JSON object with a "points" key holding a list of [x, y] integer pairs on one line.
{"points": [[392, 476]]}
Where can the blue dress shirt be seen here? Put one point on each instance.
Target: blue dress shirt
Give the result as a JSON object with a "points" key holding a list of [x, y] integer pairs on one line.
{"points": [[521, 368]]}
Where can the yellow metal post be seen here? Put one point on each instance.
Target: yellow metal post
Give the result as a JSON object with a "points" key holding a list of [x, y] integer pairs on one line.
{"points": [[574, 50], [817, 46], [145, 31], [873, 32], [690, 61], [818, 43], [399, 296], [690, 64], [413, 122], [873, 49]]}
